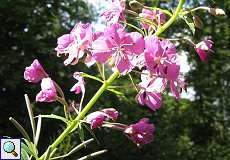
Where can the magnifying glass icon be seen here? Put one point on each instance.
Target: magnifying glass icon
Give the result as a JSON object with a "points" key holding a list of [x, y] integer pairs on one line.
{"points": [[9, 147]]}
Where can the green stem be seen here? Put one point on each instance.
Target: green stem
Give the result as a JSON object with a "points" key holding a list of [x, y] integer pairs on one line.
{"points": [[171, 20], [82, 114]]}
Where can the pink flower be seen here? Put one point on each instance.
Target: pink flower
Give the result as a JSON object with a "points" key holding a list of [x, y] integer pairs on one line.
{"points": [[80, 85], [35, 72], [202, 48], [75, 43], [150, 91], [141, 132], [115, 12], [48, 91], [154, 16], [63, 42], [118, 45], [96, 119], [111, 113], [161, 58]]}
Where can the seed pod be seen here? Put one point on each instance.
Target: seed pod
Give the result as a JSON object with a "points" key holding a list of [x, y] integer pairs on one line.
{"points": [[135, 5], [198, 22], [216, 11]]}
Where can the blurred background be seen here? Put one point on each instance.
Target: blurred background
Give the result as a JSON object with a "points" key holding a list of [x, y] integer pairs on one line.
{"points": [[195, 128]]}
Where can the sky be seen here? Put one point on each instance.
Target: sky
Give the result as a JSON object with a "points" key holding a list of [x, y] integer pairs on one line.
{"points": [[99, 25]]}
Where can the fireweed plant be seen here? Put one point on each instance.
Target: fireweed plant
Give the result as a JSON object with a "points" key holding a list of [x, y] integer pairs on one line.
{"points": [[143, 51]]}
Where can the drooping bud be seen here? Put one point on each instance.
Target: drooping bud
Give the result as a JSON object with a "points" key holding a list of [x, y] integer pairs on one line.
{"points": [[135, 5], [48, 91], [198, 22], [96, 119], [216, 11], [141, 132], [35, 72]]}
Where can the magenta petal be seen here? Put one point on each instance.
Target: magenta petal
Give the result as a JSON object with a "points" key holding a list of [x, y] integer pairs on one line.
{"points": [[80, 85], [101, 57], [153, 100], [150, 99], [64, 41], [202, 54], [138, 43], [141, 132], [174, 90], [95, 119], [111, 113], [172, 71], [48, 91], [123, 65], [101, 52], [35, 72], [209, 43]]}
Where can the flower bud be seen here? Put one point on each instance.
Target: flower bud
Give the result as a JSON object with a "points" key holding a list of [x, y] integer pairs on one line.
{"points": [[48, 91], [96, 119], [135, 5], [198, 22], [141, 132], [217, 11], [35, 72]]}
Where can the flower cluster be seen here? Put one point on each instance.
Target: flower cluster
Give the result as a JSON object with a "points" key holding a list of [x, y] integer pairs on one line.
{"points": [[35, 73], [140, 133], [143, 52]]}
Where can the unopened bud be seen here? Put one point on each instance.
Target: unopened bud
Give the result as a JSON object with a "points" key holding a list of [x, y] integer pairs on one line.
{"points": [[135, 5], [216, 11], [198, 22]]}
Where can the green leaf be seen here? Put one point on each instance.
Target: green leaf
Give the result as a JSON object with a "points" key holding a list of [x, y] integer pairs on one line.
{"points": [[26, 149], [115, 91], [91, 132], [53, 116], [190, 23], [89, 156], [81, 132], [20, 128], [118, 93], [38, 130], [138, 29], [47, 154], [24, 155], [75, 149], [30, 148], [31, 115]]}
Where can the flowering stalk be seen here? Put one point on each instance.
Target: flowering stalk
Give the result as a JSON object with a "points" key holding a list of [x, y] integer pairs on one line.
{"points": [[105, 85], [81, 115]]}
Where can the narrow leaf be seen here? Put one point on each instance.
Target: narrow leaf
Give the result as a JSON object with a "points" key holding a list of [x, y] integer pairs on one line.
{"points": [[91, 132], [93, 155], [26, 148], [47, 154], [53, 116], [24, 155], [20, 128], [138, 29], [32, 149], [115, 91], [31, 115], [38, 130], [75, 149], [190, 23], [81, 132]]}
